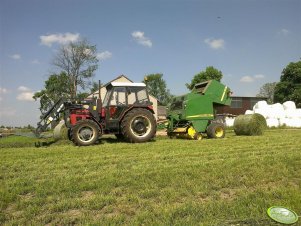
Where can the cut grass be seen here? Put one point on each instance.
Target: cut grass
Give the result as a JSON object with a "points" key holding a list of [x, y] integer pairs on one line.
{"points": [[230, 181]]}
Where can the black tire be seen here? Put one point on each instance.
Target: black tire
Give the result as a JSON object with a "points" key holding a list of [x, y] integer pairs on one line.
{"points": [[138, 125], [216, 130], [70, 134], [85, 133]]}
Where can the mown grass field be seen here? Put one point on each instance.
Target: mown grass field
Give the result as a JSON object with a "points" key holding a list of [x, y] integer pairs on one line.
{"points": [[231, 181]]}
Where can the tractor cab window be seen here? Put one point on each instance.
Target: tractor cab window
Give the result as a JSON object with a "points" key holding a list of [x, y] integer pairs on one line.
{"points": [[118, 97], [107, 97], [137, 95]]}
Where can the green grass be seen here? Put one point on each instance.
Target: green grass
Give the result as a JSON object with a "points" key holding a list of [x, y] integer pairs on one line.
{"points": [[231, 181]]}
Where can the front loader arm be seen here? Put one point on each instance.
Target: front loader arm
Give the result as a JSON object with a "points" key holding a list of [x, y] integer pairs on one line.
{"points": [[52, 114]]}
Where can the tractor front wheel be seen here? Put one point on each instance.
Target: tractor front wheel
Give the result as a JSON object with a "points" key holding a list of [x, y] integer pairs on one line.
{"points": [[85, 133], [138, 125], [216, 130]]}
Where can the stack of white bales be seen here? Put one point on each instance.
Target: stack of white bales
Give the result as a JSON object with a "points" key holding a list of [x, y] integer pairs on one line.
{"points": [[278, 114]]}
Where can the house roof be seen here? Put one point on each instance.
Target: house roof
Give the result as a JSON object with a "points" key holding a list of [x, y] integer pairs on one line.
{"points": [[139, 84], [108, 83], [120, 76]]}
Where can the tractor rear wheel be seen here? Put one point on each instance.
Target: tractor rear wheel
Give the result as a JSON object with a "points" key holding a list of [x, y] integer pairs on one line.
{"points": [[138, 125], [216, 130], [85, 132]]}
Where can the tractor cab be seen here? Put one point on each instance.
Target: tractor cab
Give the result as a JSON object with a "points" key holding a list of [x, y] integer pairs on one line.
{"points": [[119, 99]]}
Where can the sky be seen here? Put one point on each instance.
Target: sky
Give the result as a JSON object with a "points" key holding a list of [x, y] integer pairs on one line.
{"points": [[250, 41]]}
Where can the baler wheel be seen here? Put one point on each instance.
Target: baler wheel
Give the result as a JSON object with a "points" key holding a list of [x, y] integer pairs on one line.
{"points": [[138, 125], [85, 133], [198, 136], [216, 130]]}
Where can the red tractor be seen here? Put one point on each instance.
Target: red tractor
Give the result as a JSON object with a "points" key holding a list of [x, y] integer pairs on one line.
{"points": [[126, 111]]}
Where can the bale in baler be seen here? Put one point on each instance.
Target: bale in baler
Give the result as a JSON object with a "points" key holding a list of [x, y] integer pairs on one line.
{"points": [[250, 125]]}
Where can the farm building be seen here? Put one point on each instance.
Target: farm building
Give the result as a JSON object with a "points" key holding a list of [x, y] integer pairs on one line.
{"points": [[239, 105], [123, 78]]}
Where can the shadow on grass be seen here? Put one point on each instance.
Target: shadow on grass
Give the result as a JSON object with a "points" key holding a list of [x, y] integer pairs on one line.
{"points": [[43, 143]]}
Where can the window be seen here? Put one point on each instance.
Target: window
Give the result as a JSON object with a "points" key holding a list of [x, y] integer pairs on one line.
{"points": [[118, 97], [236, 102], [253, 102], [137, 95], [106, 99]]}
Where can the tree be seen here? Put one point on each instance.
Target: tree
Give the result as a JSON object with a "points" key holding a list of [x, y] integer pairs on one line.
{"points": [[79, 62], [156, 86], [209, 74], [267, 90], [289, 87], [56, 87]]}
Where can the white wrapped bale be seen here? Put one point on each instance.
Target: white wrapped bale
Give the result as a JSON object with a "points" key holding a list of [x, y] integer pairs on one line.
{"points": [[272, 122], [249, 112], [265, 112], [229, 121], [291, 113], [290, 122], [260, 105], [277, 111], [289, 105], [298, 113]]}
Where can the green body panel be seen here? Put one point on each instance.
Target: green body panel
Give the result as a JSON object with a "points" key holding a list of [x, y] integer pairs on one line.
{"points": [[200, 125], [197, 108]]}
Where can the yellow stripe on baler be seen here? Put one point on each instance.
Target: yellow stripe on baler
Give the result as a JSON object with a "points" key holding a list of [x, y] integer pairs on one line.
{"points": [[224, 93], [200, 116]]}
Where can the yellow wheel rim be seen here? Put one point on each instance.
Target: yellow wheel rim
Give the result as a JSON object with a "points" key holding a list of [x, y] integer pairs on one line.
{"points": [[219, 132]]}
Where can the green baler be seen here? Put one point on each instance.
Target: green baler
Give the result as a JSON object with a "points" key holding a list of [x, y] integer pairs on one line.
{"points": [[193, 115]]}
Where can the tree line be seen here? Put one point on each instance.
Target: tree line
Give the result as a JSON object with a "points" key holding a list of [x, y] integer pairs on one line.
{"points": [[77, 62]]}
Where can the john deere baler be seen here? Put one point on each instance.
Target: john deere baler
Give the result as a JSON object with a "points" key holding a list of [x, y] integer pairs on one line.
{"points": [[193, 115]]}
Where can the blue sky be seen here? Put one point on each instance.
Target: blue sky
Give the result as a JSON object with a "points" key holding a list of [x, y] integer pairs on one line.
{"points": [[250, 41]]}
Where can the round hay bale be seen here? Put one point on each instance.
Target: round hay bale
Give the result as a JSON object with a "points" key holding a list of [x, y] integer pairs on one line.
{"points": [[60, 132], [249, 125]]}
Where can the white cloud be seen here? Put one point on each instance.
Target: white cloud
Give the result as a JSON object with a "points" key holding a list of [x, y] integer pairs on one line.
{"points": [[141, 39], [59, 38], [3, 90], [215, 43], [259, 76], [104, 55], [25, 96], [15, 56], [24, 89], [249, 79], [284, 32]]}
